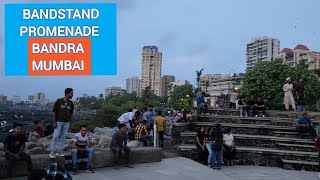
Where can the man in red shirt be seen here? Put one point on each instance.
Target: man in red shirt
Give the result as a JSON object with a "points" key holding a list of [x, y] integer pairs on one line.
{"points": [[36, 132]]}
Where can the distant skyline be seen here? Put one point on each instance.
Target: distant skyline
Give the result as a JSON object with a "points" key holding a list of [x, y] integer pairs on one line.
{"points": [[191, 35]]}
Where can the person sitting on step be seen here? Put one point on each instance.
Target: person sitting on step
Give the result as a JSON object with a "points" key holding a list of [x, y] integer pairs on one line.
{"points": [[119, 147], [82, 144], [141, 133], [259, 105], [305, 125]]}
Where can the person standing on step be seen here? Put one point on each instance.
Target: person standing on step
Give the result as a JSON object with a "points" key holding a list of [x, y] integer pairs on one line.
{"points": [[233, 99], [14, 145], [62, 114], [288, 96], [301, 94], [209, 144], [217, 148], [160, 123], [201, 146], [229, 146], [200, 103]]}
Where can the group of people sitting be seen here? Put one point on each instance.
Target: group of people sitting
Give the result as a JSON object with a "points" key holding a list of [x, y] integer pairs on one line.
{"points": [[215, 146], [140, 123], [248, 105]]}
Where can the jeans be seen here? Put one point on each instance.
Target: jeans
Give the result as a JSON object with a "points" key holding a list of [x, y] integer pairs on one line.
{"points": [[301, 129], [61, 130], [116, 152], [12, 162], [209, 148], [74, 154], [218, 155], [161, 137]]}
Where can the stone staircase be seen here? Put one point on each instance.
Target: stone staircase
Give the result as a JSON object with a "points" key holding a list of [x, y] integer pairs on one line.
{"points": [[260, 141]]}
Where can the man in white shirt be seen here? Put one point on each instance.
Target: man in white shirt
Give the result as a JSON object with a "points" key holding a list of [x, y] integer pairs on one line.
{"points": [[126, 117], [82, 144]]}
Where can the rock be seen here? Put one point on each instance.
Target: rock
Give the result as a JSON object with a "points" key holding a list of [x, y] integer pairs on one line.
{"points": [[105, 141], [134, 143], [45, 144], [30, 145], [105, 130], [70, 135], [42, 140], [39, 145], [2, 153], [67, 147], [1, 147], [37, 150]]}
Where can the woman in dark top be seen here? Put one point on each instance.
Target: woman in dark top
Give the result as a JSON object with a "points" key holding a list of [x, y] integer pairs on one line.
{"points": [[217, 147], [200, 144]]}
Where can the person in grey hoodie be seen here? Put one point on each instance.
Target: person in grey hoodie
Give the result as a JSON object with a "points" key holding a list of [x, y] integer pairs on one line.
{"points": [[119, 147]]}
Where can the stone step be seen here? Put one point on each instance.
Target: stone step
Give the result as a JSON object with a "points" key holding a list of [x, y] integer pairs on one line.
{"points": [[269, 113], [245, 128], [258, 156], [299, 165], [296, 147], [245, 120], [291, 134], [252, 140]]}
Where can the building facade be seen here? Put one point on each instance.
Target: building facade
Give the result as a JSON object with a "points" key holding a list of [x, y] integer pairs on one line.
{"points": [[207, 79], [261, 49], [300, 53], [166, 81], [133, 85], [3, 99], [114, 90], [151, 69], [41, 97], [16, 100], [178, 83]]}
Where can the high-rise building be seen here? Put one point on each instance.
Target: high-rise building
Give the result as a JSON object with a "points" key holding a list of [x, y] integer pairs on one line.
{"points": [[300, 53], [3, 99], [114, 91], [166, 81], [262, 49], [151, 69], [31, 98], [41, 97], [133, 85], [16, 100]]}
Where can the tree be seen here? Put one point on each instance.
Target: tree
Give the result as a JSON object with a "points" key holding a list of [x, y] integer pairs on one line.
{"points": [[266, 79], [182, 97]]}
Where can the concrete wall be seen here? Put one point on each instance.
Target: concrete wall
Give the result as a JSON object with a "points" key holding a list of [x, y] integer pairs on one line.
{"points": [[102, 158]]}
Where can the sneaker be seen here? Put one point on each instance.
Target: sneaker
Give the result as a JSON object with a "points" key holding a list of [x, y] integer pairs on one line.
{"points": [[90, 170], [59, 154], [263, 116], [52, 156], [116, 167], [75, 171], [129, 166], [256, 115]]}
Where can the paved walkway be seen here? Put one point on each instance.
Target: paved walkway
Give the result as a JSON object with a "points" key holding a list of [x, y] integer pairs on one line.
{"points": [[186, 169]]}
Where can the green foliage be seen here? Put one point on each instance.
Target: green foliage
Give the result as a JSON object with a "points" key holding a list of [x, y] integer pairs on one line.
{"points": [[182, 97], [113, 106], [267, 80]]}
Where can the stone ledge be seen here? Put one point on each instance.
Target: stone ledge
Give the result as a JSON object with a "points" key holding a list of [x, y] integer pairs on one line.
{"points": [[300, 162], [253, 126], [103, 158]]}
